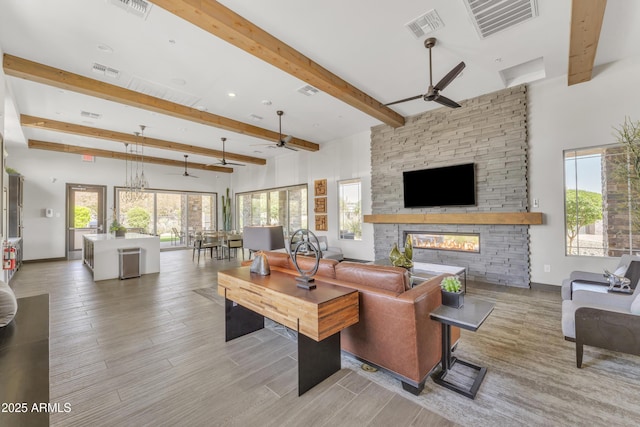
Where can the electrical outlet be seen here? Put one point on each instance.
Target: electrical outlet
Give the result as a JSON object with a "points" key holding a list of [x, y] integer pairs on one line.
{"points": [[547, 268], [536, 203]]}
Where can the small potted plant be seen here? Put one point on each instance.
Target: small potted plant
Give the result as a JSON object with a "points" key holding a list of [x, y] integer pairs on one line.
{"points": [[452, 295], [116, 227]]}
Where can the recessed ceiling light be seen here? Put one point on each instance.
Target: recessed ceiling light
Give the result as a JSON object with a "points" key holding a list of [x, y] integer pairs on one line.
{"points": [[498, 59], [257, 151], [172, 41], [255, 117], [231, 95], [266, 102], [183, 129], [316, 125], [105, 48], [179, 82]]}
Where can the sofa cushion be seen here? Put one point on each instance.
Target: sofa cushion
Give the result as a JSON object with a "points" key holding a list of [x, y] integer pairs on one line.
{"points": [[326, 268], [395, 279], [277, 259], [635, 305]]}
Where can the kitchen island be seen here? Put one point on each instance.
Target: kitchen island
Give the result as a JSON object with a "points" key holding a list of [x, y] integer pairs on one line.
{"points": [[100, 253]]}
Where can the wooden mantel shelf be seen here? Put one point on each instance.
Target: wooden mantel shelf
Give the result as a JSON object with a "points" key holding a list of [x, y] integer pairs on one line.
{"points": [[483, 218]]}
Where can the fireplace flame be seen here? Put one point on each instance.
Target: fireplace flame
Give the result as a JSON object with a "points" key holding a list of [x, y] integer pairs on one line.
{"points": [[461, 243]]}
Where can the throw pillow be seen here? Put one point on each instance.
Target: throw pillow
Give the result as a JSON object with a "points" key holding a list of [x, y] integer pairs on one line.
{"points": [[633, 273], [620, 270], [8, 304], [323, 246]]}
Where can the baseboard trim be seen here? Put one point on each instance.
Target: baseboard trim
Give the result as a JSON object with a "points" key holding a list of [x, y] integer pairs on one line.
{"points": [[34, 261], [545, 287]]}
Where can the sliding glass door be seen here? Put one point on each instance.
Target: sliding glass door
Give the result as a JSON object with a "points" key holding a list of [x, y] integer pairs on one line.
{"points": [[173, 215]]}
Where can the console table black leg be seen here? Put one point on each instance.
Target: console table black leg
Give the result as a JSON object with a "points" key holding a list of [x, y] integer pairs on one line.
{"points": [[317, 360], [240, 321]]}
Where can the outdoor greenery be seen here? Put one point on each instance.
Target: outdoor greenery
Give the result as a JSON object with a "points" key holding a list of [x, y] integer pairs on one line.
{"points": [[587, 206], [81, 217], [138, 217], [226, 212]]}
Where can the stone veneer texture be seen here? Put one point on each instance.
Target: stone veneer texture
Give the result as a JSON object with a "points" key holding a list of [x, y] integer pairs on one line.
{"points": [[490, 131]]}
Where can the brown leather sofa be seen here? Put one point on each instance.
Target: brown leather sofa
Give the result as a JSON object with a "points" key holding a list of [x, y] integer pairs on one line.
{"points": [[395, 331]]}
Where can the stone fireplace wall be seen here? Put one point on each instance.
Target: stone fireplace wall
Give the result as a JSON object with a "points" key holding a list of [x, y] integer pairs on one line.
{"points": [[490, 131]]}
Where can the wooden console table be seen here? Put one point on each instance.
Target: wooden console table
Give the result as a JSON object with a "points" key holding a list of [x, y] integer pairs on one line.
{"points": [[318, 315]]}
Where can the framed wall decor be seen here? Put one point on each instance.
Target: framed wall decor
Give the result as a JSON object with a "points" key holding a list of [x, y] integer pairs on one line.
{"points": [[320, 205], [321, 223], [320, 187]]}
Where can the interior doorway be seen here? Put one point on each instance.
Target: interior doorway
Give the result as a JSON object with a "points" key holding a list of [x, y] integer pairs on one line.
{"points": [[86, 213]]}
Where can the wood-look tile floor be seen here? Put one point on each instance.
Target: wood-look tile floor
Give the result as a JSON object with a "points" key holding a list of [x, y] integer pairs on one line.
{"points": [[150, 351]]}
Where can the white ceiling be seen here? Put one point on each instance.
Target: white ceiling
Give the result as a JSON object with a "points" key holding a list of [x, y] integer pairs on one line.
{"points": [[363, 41]]}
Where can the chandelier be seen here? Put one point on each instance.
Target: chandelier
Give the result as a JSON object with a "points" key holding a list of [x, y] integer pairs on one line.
{"points": [[135, 182]]}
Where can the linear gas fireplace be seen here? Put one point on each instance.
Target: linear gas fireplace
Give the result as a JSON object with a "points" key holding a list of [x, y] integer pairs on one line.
{"points": [[458, 242]]}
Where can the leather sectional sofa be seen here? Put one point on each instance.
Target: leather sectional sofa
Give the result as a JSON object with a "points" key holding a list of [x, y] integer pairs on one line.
{"points": [[395, 331]]}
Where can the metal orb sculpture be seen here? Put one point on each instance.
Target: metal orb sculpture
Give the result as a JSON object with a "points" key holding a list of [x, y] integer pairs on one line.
{"points": [[301, 244]]}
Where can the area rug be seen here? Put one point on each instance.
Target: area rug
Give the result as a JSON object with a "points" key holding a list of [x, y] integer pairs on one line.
{"points": [[531, 375]]}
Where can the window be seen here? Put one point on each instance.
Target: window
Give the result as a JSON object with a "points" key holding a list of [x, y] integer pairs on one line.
{"points": [[601, 202], [161, 211], [286, 206], [350, 209]]}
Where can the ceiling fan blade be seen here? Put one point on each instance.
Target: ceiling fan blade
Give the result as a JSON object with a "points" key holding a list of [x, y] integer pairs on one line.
{"points": [[289, 148], [446, 102], [404, 100], [444, 82]]}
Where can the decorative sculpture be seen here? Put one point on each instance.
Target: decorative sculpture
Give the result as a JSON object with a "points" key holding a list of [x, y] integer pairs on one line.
{"points": [[301, 244], [260, 265]]}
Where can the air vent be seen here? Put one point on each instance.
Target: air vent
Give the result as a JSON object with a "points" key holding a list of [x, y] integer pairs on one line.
{"points": [[493, 16], [105, 71], [425, 24], [90, 115], [308, 90], [163, 92], [139, 8]]}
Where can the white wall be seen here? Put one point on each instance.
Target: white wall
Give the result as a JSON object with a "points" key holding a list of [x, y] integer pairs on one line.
{"points": [[45, 237], [565, 117], [337, 160]]}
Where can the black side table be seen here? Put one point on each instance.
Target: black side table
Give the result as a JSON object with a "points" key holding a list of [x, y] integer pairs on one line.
{"points": [[470, 317]]}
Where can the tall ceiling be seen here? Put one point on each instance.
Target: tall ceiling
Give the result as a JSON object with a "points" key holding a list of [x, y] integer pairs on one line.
{"points": [[364, 42]]}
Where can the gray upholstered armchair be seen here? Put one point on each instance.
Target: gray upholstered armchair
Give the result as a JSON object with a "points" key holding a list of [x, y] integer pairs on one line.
{"points": [[594, 316], [596, 282], [605, 320]]}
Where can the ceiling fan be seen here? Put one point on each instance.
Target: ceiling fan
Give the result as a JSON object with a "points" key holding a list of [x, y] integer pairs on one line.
{"points": [[282, 142], [433, 92], [223, 161], [186, 173]]}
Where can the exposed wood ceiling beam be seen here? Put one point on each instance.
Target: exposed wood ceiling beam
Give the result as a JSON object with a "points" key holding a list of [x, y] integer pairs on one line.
{"points": [[42, 123], [586, 22], [29, 70], [222, 22], [73, 149]]}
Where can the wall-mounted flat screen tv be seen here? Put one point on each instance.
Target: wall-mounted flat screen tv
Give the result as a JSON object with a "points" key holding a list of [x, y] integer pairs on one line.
{"points": [[444, 186]]}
